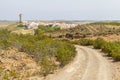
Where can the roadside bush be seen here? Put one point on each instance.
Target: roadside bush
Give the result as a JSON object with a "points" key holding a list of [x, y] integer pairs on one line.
{"points": [[65, 54], [46, 50], [116, 54], [107, 48], [112, 49], [83, 42], [47, 66], [98, 43]]}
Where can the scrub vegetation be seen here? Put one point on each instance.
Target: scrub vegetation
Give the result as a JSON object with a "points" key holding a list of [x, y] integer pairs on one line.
{"points": [[111, 49], [49, 53], [90, 30]]}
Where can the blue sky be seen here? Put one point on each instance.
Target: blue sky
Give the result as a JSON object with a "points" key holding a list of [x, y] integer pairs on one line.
{"points": [[60, 9]]}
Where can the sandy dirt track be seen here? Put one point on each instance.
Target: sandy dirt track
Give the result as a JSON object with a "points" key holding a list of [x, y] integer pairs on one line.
{"points": [[87, 65]]}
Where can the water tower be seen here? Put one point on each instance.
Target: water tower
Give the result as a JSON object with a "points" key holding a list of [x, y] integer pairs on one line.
{"points": [[20, 18]]}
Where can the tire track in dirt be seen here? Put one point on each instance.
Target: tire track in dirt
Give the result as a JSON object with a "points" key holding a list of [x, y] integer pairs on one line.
{"points": [[87, 65]]}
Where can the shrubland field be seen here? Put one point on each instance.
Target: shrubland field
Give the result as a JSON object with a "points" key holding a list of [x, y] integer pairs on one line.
{"points": [[46, 53], [43, 51]]}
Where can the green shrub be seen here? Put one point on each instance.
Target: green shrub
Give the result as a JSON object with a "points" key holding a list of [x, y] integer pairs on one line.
{"points": [[39, 31], [110, 48], [40, 49], [107, 48], [47, 66], [116, 54], [84, 42], [5, 41], [20, 25], [65, 54], [4, 44], [98, 43]]}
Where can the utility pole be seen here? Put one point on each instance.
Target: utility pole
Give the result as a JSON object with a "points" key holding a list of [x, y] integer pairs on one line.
{"points": [[20, 18]]}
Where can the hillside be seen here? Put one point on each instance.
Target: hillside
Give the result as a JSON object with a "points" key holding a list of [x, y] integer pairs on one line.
{"points": [[90, 30], [24, 55]]}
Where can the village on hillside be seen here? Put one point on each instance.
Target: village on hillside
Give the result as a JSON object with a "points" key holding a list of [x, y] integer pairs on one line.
{"points": [[34, 24]]}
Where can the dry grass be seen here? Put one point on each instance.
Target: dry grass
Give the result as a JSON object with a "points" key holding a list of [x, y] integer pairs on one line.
{"points": [[108, 38], [17, 65], [24, 31], [4, 24]]}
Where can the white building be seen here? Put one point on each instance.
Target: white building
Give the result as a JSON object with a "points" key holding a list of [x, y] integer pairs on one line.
{"points": [[31, 25]]}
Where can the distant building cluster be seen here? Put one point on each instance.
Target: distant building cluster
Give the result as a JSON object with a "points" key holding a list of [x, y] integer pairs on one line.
{"points": [[31, 25], [61, 25], [34, 25]]}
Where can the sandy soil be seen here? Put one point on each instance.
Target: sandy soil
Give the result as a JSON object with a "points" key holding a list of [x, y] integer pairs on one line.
{"points": [[5, 23], [24, 31], [89, 64], [115, 66], [109, 38]]}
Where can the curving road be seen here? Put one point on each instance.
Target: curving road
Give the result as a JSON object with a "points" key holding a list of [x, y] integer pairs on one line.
{"points": [[88, 65]]}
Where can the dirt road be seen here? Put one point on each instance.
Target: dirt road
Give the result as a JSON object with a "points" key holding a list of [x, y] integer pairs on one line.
{"points": [[88, 65]]}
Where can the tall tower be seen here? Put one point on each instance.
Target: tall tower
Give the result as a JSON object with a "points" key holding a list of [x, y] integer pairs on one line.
{"points": [[20, 18]]}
